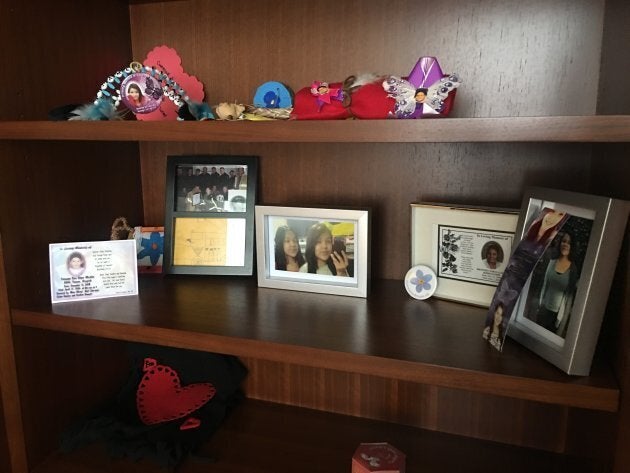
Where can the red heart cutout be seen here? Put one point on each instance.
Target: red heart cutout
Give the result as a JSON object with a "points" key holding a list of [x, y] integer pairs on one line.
{"points": [[190, 423], [161, 397]]}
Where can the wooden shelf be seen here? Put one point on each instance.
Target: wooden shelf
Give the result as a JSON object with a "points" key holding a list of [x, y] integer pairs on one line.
{"points": [[262, 437], [603, 128], [388, 334]]}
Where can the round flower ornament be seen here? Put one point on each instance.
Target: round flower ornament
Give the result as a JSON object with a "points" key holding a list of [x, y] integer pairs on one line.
{"points": [[420, 282]]}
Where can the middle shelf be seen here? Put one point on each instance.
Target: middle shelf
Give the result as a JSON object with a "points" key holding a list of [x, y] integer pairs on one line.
{"points": [[388, 334]]}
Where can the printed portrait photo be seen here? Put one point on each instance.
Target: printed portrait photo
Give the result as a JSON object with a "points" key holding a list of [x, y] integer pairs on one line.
{"points": [[312, 248], [555, 278]]}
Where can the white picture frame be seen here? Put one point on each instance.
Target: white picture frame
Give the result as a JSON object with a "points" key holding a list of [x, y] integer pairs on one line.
{"points": [[475, 231], [349, 233]]}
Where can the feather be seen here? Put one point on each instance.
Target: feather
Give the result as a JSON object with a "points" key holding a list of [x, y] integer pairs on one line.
{"points": [[200, 110], [99, 110], [358, 80], [190, 111]]}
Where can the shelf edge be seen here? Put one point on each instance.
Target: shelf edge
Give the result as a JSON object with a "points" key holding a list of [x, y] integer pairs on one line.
{"points": [[596, 128], [567, 394]]}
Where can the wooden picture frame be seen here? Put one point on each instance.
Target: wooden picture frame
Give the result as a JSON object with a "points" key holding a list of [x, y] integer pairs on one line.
{"points": [[455, 241], [348, 231], [594, 231], [209, 226]]}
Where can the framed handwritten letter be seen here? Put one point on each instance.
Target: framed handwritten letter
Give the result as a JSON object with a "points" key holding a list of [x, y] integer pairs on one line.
{"points": [[92, 270], [209, 225]]}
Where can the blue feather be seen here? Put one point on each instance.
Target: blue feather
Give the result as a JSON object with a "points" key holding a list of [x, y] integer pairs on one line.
{"points": [[201, 111], [99, 110]]}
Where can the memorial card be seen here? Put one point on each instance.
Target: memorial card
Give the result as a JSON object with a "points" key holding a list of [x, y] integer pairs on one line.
{"points": [[92, 270]]}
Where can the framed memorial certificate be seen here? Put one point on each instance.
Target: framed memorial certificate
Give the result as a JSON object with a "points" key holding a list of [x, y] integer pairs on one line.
{"points": [[467, 247]]}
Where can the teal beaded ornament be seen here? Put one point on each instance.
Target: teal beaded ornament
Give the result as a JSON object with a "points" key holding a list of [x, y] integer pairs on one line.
{"points": [[144, 87]]}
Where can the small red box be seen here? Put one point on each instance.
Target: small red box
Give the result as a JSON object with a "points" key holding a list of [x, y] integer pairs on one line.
{"points": [[378, 458]]}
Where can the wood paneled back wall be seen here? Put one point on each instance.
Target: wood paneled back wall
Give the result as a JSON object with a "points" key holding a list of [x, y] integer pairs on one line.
{"points": [[514, 60], [386, 178], [104, 177], [38, 75], [525, 58]]}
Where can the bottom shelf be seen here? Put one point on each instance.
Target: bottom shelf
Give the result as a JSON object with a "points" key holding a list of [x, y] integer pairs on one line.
{"points": [[261, 437]]}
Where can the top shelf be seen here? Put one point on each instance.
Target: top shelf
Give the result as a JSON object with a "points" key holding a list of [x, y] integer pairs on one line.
{"points": [[388, 335], [597, 128]]}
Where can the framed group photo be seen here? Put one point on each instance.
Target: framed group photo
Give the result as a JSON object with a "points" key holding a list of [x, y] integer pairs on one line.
{"points": [[560, 309], [209, 226], [313, 249], [467, 248]]}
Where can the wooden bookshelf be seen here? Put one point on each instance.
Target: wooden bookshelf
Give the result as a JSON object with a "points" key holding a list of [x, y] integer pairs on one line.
{"points": [[543, 103]]}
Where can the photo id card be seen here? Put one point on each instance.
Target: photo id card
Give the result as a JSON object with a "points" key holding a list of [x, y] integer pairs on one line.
{"points": [[92, 270]]}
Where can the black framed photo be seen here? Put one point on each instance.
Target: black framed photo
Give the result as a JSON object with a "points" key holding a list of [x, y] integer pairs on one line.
{"points": [[209, 226], [561, 307]]}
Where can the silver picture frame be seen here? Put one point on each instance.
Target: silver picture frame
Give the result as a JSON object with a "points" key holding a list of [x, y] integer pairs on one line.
{"points": [[348, 236], [595, 229]]}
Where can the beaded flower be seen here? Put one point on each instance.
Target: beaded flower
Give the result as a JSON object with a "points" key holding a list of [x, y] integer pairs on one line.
{"points": [[153, 247]]}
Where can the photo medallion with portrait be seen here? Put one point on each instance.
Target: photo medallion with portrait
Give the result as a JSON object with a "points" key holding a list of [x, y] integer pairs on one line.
{"points": [[141, 93]]}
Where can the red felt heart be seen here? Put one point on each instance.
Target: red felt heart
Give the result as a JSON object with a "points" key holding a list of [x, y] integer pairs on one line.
{"points": [[161, 397]]}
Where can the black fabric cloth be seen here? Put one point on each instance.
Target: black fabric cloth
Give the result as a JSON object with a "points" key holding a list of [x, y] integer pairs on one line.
{"points": [[119, 427]]}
